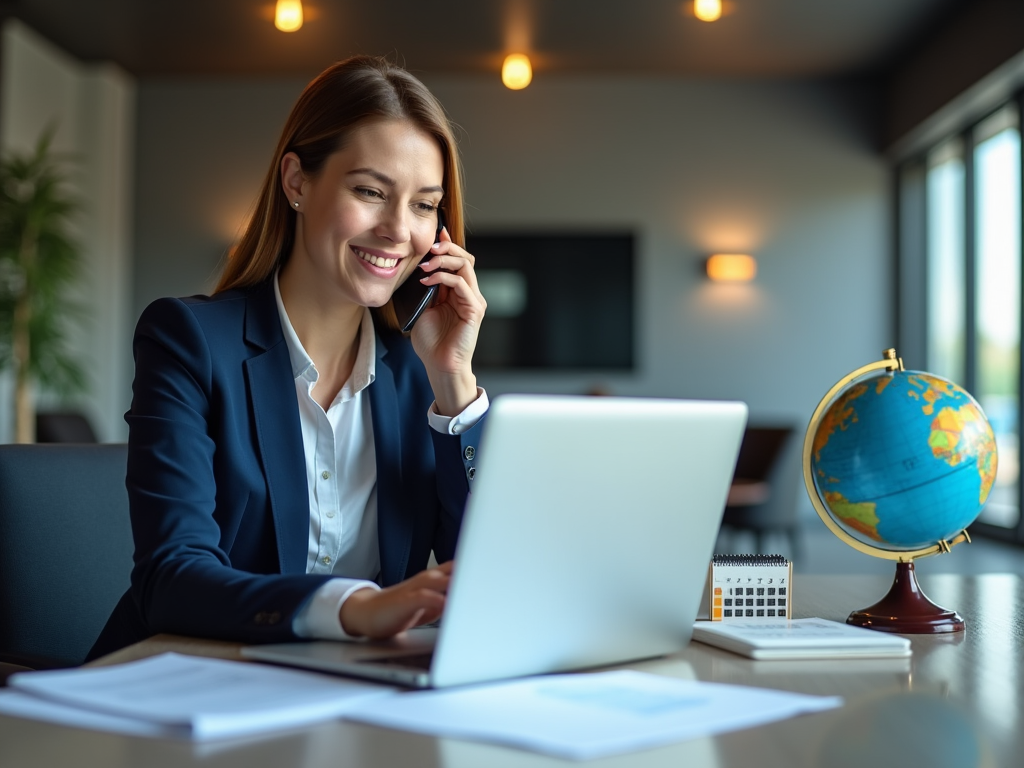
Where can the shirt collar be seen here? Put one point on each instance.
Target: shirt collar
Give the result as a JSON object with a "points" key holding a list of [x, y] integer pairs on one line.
{"points": [[363, 371]]}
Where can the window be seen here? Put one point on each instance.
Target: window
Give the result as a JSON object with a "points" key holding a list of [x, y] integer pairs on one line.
{"points": [[997, 217], [960, 272]]}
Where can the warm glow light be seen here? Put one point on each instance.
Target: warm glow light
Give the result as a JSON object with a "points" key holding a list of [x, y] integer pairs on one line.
{"points": [[288, 16], [516, 72], [707, 10], [732, 267]]}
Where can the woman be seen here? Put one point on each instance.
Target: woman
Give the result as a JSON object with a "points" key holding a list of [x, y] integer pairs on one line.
{"points": [[289, 450]]}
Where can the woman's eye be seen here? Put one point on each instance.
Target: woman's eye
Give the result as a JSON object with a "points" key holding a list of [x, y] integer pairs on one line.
{"points": [[367, 192], [426, 208]]}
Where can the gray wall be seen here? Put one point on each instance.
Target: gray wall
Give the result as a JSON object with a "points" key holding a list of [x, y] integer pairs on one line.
{"points": [[693, 166]]}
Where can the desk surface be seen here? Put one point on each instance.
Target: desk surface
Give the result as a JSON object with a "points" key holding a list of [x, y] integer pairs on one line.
{"points": [[958, 702]]}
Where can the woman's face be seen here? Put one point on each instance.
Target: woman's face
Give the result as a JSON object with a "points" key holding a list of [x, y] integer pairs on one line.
{"points": [[370, 215]]}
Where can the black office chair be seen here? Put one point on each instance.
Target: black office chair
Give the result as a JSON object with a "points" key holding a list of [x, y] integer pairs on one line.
{"points": [[63, 427], [763, 498], [65, 550]]}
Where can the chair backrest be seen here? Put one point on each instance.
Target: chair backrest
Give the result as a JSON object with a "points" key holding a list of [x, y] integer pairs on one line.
{"points": [[65, 549], [63, 427]]}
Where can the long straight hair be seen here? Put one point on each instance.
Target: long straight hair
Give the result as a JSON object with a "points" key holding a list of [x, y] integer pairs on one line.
{"points": [[331, 106]]}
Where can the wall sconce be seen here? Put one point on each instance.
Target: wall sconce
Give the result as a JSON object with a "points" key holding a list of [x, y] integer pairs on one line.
{"points": [[288, 15], [516, 72], [731, 267]]}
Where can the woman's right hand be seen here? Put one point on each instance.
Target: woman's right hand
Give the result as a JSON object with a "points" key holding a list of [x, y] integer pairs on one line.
{"points": [[380, 614]]}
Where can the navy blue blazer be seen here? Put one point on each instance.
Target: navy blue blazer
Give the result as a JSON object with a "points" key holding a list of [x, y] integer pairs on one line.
{"points": [[217, 482]]}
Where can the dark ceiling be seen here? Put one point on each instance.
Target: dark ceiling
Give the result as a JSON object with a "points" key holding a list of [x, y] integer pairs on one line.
{"points": [[237, 37]]}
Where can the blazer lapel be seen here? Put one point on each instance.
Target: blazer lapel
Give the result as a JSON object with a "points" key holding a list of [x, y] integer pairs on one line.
{"points": [[394, 518], [278, 432]]}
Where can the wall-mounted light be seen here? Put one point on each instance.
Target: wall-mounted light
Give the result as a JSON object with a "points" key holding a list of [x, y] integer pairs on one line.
{"points": [[731, 267], [516, 72], [288, 15], [707, 10]]}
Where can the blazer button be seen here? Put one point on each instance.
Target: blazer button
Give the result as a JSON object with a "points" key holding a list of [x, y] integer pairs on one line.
{"points": [[471, 473], [470, 452], [260, 618], [274, 618]]}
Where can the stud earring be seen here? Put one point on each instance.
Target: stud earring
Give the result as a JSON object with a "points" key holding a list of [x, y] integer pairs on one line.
{"points": [[296, 203]]}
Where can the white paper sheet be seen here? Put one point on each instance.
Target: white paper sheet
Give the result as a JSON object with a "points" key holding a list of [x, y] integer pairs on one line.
{"points": [[203, 698], [33, 708], [585, 716]]}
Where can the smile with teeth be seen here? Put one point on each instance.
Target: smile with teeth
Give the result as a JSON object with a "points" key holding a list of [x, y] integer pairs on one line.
{"points": [[377, 261]]}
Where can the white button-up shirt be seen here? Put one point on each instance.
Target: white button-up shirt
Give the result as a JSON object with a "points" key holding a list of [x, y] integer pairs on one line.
{"points": [[341, 476]]}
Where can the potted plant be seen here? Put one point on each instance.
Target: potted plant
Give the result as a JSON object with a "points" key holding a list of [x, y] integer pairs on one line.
{"points": [[39, 262]]}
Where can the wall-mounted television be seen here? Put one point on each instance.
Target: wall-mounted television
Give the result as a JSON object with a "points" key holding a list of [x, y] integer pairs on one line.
{"points": [[555, 300]]}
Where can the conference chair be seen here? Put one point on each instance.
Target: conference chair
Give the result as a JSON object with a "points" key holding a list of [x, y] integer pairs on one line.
{"points": [[65, 550], [63, 427], [763, 497]]}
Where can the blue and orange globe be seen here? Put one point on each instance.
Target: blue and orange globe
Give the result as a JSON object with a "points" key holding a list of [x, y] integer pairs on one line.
{"points": [[903, 460]]}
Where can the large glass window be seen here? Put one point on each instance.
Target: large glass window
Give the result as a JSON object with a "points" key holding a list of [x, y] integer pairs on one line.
{"points": [[946, 329], [962, 244], [997, 217]]}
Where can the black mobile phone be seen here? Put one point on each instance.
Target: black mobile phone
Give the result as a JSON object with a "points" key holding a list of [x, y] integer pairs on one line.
{"points": [[411, 299]]}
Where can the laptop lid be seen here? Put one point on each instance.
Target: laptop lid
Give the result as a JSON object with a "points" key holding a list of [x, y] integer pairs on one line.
{"points": [[587, 534]]}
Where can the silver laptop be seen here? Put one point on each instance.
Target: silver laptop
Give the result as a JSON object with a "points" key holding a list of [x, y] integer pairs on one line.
{"points": [[586, 542]]}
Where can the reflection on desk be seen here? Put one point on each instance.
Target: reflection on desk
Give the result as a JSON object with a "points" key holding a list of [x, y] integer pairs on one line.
{"points": [[957, 701]]}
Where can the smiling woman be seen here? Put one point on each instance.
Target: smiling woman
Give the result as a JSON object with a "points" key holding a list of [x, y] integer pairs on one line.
{"points": [[290, 451]]}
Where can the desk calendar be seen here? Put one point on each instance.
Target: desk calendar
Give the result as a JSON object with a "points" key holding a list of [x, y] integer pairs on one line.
{"points": [[750, 587]]}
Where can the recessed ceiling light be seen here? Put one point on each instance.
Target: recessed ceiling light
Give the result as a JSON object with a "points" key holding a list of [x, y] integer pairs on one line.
{"points": [[516, 72], [707, 10], [288, 15]]}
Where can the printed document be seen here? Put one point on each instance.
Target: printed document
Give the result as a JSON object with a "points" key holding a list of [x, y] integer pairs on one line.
{"points": [[185, 696], [584, 716]]}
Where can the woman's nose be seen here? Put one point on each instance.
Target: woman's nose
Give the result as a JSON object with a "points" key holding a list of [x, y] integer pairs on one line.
{"points": [[393, 225]]}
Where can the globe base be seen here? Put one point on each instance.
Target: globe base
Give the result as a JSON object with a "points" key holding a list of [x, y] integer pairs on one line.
{"points": [[906, 609]]}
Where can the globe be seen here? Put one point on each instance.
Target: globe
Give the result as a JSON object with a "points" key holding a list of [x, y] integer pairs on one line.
{"points": [[898, 463], [904, 459]]}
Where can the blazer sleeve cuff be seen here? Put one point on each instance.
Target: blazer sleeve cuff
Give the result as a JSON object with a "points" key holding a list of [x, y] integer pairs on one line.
{"points": [[320, 617]]}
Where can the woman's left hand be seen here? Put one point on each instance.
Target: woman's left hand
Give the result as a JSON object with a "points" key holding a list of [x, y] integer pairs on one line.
{"points": [[446, 334]]}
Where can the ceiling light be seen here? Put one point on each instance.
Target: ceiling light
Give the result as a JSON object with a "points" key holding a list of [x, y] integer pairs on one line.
{"points": [[516, 72], [288, 15], [707, 10], [731, 267]]}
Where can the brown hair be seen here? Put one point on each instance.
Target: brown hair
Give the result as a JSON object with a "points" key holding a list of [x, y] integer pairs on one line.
{"points": [[335, 102]]}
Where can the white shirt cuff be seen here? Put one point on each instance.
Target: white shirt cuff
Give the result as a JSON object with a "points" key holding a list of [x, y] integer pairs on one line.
{"points": [[320, 617], [465, 421]]}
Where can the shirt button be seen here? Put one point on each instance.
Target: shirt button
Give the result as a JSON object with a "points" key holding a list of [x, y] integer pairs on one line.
{"points": [[331, 513], [327, 560], [471, 472], [325, 475], [470, 452], [456, 428]]}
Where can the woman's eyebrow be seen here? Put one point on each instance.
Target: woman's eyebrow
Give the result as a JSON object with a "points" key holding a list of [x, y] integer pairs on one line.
{"points": [[387, 180]]}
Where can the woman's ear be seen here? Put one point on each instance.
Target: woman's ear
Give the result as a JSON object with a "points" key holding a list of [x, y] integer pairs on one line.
{"points": [[292, 179]]}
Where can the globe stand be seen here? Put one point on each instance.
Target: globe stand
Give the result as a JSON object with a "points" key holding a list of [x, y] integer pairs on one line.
{"points": [[906, 609]]}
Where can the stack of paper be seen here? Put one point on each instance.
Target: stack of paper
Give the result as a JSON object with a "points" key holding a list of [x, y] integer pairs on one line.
{"points": [[184, 697]]}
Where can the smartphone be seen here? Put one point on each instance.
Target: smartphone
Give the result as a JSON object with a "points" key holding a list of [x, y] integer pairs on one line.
{"points": [[411, 299]]}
